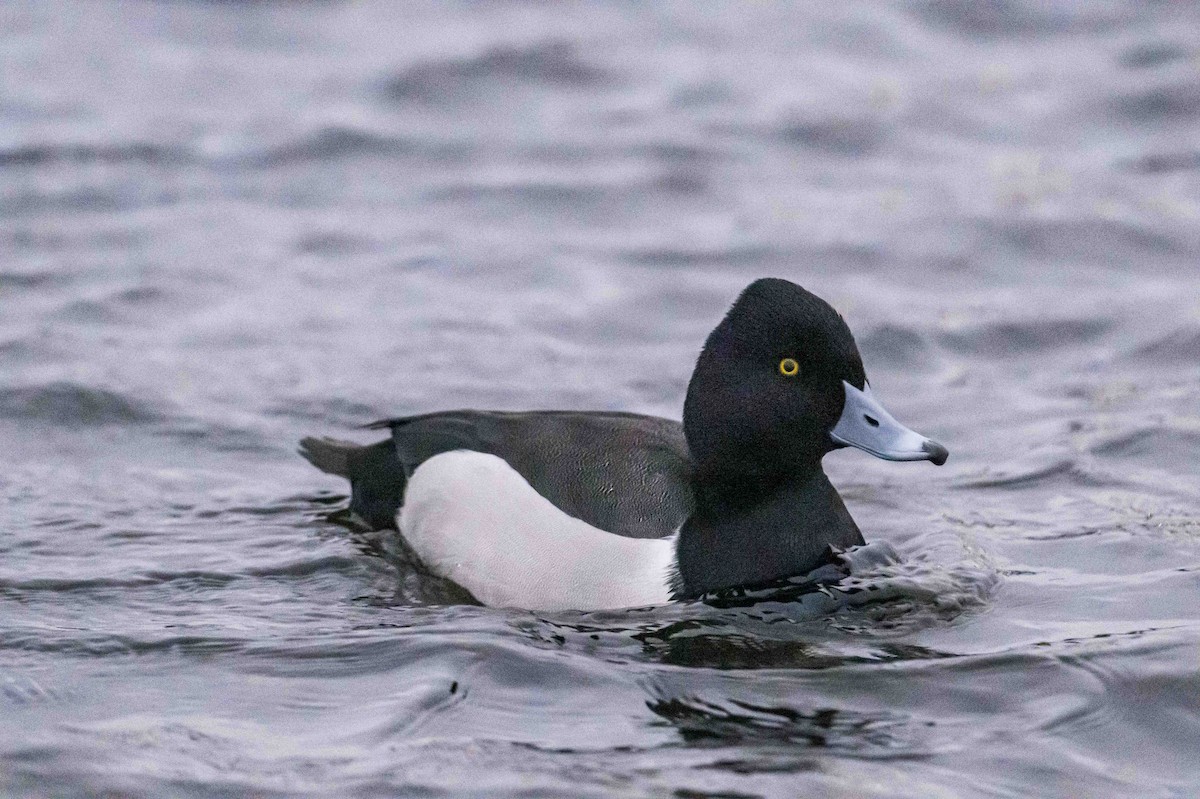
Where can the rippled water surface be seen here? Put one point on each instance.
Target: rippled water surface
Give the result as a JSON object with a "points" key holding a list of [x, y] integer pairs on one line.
{"points": [[227, 225]]}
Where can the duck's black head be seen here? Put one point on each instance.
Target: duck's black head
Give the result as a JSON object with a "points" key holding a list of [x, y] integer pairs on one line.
{"points": [[779, 384]]}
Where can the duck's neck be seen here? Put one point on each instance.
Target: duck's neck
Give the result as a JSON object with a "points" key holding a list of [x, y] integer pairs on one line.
{"points": [[749, 532]]}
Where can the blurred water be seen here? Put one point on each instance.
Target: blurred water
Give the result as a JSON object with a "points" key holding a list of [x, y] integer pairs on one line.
{"points": [[227, 225]]}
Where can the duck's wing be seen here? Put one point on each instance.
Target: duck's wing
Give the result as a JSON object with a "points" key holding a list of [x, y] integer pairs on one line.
{"points": [[625, 473]]}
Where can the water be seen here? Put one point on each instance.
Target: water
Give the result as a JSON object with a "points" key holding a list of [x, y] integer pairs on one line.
{"points": [[224, 226]]}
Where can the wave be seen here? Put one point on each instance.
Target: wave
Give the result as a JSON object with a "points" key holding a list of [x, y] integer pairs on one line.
{"points": [[754, 254], [107, 645], [549, 63], [1170, 101], [80, 153], [541, 193], [124, 305], [26, 280], [1178, 346], [1166, 446], [340, 141], [1148, 55], [848, 136], [1161, 163], [34, 201], [728, 255], [74, 405], [1024, 337], [1020, 475], [1089, 240], [897, 346], [996, 19], [200, 578], [730, 721]]}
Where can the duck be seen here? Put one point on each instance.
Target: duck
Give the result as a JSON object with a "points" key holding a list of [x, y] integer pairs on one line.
{"points": [[592, 510]]}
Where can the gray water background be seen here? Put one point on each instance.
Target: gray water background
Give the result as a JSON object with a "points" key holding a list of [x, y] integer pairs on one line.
{"points": [[227, 225]]}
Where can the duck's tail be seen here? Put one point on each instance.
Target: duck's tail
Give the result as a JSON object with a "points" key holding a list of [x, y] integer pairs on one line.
{"points": [[329, 454], [376, 477]]}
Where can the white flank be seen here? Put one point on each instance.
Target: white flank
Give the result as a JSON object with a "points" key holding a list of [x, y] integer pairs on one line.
{"points": [[473, 519]]}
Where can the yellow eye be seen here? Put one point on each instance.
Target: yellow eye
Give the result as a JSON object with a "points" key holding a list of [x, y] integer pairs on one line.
{"points": [[788, 367]]}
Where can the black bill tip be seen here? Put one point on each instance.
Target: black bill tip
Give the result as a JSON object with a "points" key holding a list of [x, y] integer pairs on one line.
{"points": [[937, 453]]}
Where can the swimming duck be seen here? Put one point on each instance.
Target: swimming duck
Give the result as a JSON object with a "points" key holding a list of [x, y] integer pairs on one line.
{"points": [[552, 510]]}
